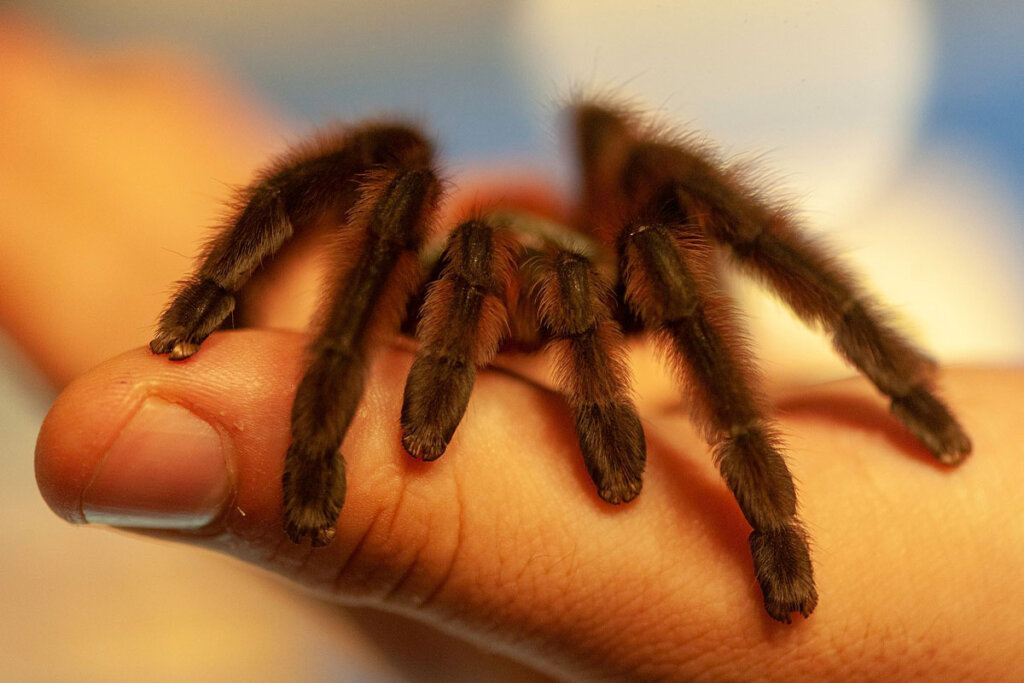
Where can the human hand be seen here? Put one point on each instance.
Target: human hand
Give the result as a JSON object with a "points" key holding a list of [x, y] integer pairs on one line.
{"points": [[502, 541]]}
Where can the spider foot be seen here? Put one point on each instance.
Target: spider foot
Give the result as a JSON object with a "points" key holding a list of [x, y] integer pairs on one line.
{"points": [[314, 491], [614, 451], [782, 564], [436, 394], [183, 350], [173, 343], [930, 421], [422, 446], [176, 349], [198, 309], [622, 491], [319, 534]]}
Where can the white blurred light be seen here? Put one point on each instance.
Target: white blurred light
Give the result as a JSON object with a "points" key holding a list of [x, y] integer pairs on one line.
{"points": [[830, 91]]}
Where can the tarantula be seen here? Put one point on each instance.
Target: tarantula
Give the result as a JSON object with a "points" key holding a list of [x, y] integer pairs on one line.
{"points": [[639, 255]]}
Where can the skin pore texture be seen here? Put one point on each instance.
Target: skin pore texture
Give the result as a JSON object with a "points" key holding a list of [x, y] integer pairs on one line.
{"points": [[502, 541]]}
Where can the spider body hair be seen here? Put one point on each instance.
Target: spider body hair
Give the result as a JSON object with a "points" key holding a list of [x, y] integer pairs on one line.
{"points": [[389, 223], [639, 257], [295, 190], [574, 305], [764, 240], [671, 288], [464, 320]]}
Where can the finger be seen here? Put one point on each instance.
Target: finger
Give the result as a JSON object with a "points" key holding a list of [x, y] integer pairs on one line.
{"points": [[503, 539]]}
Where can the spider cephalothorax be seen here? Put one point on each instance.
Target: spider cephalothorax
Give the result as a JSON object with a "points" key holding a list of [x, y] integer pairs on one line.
{"points": [[638, 256]]}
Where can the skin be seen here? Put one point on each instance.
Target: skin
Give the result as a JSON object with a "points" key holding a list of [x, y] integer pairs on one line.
{"points": [[503, 541]]}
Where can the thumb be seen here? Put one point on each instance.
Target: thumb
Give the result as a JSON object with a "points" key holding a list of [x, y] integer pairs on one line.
{"points": [[194, 450]]}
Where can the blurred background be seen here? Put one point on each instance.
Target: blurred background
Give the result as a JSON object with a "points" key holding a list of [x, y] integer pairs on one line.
{"points": [[893, 124]]}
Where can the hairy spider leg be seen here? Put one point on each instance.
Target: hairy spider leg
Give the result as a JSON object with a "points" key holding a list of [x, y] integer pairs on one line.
{"points": [[667, 282], [378, 268], [379, 177], [823, 292], [464, 320], [603, 143], [317, 178], [669, 286], [765, 242], [573, 302], [466, 317]]}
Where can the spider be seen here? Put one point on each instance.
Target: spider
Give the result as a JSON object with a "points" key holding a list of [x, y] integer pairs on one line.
{"points": [[639, 255]]}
